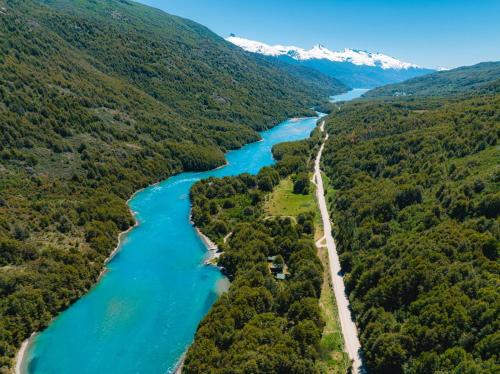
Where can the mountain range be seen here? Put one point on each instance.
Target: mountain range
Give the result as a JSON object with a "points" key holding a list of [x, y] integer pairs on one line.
{"points": [[355, 68]]}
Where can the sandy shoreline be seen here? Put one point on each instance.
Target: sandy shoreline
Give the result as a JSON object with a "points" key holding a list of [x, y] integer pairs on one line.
{"points": [[210, 245], [211, 248], [18, 361], [120, 240], [297, 119], [180, 364]]}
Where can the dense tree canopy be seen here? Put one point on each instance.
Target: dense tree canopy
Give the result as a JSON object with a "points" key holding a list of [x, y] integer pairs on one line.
{"points": [[99, 98], [262, 325], [415, 208]]}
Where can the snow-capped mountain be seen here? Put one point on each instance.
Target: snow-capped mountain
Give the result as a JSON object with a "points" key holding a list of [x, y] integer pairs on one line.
{"points": [[354, 67], [319, 52]]}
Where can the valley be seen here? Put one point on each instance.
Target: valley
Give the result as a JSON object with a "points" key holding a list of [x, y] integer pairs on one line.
{"points": [[173, 201]]}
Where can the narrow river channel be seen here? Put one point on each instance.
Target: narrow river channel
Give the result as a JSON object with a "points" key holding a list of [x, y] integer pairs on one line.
{"points": [[143, 314]]}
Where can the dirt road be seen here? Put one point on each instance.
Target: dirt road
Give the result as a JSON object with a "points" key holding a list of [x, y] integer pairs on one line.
{"points": [[349, 330]]}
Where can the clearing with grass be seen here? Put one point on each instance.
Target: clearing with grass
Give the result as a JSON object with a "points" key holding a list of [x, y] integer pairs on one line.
{"points": [[283, 202]]}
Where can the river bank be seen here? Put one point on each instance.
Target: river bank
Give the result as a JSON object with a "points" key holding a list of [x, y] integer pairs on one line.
{"points": [[180, 364], [18, 361], [20, 356]]}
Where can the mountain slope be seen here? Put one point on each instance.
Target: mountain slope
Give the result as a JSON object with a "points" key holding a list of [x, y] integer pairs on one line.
{"points": [[162, 52], [480, 78], [97, 99], [314, 78], [352, 67]]}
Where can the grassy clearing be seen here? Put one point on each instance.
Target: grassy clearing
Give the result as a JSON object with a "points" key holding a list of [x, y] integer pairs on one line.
{"points": [[330, 192], [283, 202], [333, 359]]}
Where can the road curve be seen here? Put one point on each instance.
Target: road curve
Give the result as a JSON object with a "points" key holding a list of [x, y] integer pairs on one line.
{"points": [[348, 327]]}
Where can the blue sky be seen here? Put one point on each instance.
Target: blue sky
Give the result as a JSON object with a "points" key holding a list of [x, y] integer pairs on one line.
{"points": [[429, 33]]}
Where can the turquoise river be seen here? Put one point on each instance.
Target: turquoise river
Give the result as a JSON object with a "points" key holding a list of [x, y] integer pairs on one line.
{"points": [[143, 314]]}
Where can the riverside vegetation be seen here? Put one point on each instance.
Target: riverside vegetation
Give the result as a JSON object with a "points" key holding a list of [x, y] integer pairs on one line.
{"points": [[415, 200], [262, 325], [98, 99]]}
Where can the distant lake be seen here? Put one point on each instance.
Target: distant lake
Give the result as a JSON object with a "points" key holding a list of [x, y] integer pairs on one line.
{"points": [[143, 314], [350, 95]]}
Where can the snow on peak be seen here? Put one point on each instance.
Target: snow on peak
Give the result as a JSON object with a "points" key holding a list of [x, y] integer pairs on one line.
{"points": [[320, 52]]}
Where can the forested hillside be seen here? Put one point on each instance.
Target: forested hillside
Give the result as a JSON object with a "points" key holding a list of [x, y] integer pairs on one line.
{"points": [[416, 210], [262, 325], [482, 78], [97, 99]]}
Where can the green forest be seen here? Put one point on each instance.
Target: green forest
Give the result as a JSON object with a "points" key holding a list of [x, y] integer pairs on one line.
{"points": [[482, 78], [415, 205], [262, 325], [98, 99]]}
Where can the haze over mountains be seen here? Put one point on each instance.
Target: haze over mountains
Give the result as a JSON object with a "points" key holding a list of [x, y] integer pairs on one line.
{"points": [[355, 68]]}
